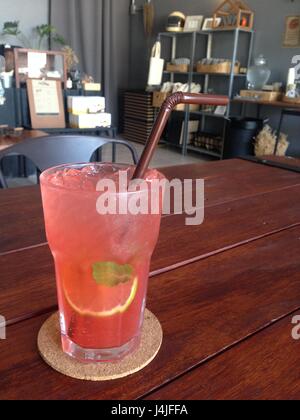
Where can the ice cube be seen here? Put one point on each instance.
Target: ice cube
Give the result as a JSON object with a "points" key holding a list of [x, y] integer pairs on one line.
{"points": [[72, 178], [57, 179], [91, 170]]}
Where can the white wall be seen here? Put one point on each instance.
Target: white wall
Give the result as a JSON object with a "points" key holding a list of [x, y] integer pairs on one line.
{"points": [[30, 13]]}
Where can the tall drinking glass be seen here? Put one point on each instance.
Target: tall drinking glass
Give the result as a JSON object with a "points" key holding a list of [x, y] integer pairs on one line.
{"points": [[102, 260]]}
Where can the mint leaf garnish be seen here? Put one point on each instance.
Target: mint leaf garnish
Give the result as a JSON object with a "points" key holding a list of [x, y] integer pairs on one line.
{"points": [[111, 274]]}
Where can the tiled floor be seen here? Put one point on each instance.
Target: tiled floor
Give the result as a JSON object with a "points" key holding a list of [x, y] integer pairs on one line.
{"points": [[164, 156]]}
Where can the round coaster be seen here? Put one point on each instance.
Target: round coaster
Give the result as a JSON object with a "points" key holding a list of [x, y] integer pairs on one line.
{"points": [[49, 345]]}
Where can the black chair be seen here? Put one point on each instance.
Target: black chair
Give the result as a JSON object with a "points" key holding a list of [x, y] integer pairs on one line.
{"points": [[46, 152]]}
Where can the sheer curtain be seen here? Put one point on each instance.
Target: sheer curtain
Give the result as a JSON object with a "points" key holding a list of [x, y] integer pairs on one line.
{"points": [[98, 31]]}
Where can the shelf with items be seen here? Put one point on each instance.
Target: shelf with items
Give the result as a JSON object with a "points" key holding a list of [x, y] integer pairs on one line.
{"points": [[205, 114], [220, 74], [207, 142], [194, 149], [37, 64], [200, 141], [203, 32], [196, 73], [212, 80]]}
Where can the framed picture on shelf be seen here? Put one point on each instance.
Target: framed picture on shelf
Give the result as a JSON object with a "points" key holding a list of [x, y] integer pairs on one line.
{"points": [[193, 24], [46, 104], [209, 22], [292, 32]]}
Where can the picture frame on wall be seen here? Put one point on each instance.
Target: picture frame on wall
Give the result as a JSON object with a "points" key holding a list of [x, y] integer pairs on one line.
{"points": [[292, 32], [193, 24], [209, 22]]}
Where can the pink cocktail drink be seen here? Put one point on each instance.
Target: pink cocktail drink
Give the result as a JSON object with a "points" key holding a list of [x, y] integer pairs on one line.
{"points": [[102, 260]]}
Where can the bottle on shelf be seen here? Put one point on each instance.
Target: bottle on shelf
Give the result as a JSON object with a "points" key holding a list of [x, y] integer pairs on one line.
{"points": [[259, 74]]}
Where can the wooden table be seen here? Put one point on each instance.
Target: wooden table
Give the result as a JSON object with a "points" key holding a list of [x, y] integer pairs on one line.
{"points": [[287, 161], [286, 109], [27, 134], [281, 162], [225, 293], [275, 104]]}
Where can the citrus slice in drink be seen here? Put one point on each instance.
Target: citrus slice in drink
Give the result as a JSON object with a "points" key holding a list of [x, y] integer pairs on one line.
{"points": [[110, 290]]}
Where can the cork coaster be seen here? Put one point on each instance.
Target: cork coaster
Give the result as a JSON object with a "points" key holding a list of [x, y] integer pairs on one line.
{"points": [[49, 345]]}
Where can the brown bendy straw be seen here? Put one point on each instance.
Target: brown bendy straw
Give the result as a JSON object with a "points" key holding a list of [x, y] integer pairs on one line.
{"points": [[162, 119]]}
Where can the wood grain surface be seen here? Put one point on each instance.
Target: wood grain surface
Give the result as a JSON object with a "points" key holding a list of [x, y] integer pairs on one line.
{"points": [[265, 367], [7, 141], [224, 292], [22, 214], [205, 308], [178, 245]]}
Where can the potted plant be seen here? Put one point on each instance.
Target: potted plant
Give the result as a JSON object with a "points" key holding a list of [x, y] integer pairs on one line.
{"points": [[11, 34], [46, 32]]}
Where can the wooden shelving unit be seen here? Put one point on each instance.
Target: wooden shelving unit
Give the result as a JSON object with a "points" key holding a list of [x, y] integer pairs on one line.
{"points": [[55, 60]]}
